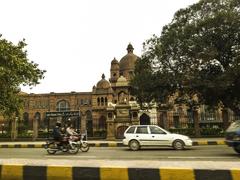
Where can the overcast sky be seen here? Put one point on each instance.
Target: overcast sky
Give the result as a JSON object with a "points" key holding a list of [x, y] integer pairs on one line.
{"points": [[76, 40]]}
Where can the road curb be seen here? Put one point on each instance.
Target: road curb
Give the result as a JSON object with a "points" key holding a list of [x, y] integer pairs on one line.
{"points": [[27, 172], [106, 144]]}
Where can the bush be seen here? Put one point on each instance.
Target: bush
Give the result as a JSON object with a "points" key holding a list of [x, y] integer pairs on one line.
{"points": [[212, 132], [184, 131], [5, 135], [43, 134]]}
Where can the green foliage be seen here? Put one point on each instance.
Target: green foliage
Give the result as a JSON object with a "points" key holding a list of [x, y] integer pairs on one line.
{"points": [[15, 70], [199, 53], [184, 131]]}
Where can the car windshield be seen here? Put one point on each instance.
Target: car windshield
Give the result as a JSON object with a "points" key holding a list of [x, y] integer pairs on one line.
{"points": [[234, 126]]}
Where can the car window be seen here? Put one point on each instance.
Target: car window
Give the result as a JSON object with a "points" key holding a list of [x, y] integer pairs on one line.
{"points": [[131, 130], [156, 130], [142, 130]]}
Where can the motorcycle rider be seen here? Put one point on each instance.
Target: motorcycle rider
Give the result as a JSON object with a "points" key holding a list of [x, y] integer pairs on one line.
{"points": [[57, 135]]}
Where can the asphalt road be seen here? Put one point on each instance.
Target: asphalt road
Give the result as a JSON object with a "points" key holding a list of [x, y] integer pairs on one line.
{"points": [[197, 153]]}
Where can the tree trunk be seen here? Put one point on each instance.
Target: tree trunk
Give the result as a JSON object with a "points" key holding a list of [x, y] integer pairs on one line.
{"points": [[196, 122], [14, 131]]}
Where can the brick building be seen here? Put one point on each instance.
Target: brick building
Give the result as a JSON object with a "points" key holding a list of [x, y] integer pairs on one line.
{"points": [[99, 110]]}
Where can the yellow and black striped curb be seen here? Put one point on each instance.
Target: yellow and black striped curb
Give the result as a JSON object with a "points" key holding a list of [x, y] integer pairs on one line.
{"points": [[112, 144], [26, 172]]}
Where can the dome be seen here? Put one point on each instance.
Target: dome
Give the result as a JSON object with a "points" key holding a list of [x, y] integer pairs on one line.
{"points": [[122, 81], [115, 64], [114, 61], [103, 83], [129, 60]]}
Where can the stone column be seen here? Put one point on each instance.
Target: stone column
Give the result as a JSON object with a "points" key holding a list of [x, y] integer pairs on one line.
{"points": [[35, 129], [110, 130], [110, 124], [165, 120]]}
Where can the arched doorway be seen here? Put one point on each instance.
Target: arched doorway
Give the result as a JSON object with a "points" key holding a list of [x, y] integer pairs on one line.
{"points": [[120, 131], [144, 119]]}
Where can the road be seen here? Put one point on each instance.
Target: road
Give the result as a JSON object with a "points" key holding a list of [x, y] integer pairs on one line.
{"points": [[196, 153]]}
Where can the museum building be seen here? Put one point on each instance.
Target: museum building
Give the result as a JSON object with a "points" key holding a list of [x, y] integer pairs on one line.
{"points": [[106, 111]]}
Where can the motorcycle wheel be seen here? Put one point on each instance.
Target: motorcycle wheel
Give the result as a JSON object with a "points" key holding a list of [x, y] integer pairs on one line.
{"points": [[65, 148], [51, 149], [73, 149], [84, 147]]}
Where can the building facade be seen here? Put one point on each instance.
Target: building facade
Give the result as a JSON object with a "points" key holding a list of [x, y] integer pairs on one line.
{"points": [[106, 111]]}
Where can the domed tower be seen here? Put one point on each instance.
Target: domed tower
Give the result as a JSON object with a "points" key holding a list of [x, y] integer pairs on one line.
{"points": [[127, 63], [114, 71], [102, 94]]}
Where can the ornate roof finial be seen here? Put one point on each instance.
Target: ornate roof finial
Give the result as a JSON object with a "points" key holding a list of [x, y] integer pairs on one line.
{"points": [[130, 48], [103, 76]]}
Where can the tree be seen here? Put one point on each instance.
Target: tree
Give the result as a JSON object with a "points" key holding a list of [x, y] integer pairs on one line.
{"points": [[15, 70], [199, 52], [142, 82]]}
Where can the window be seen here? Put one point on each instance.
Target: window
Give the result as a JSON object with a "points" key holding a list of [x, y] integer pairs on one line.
{"points": [[63, 106], [156, 130], [142, 130], [131, 130], [106, 101], [98, 101]]}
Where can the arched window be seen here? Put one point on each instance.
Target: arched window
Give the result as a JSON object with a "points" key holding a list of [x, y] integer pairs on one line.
{"points": [[144, 119], [106, 101], [25, 118], [63, 105], [102, 101], [98, 101]]}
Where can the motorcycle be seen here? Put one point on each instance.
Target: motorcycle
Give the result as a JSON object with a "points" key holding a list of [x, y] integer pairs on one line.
{"points": [[81, 140], [67, 145]]}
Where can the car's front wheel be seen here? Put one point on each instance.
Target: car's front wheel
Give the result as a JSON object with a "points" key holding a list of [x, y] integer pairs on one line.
{"points": [[178, 145], [134, 145]]}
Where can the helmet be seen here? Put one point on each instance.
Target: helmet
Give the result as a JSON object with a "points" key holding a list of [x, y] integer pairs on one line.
{"points": [[58, 123]]}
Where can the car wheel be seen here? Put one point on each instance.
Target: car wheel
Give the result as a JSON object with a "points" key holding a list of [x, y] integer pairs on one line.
{"points": [[237, 149], [134, 145], [178, 145]]}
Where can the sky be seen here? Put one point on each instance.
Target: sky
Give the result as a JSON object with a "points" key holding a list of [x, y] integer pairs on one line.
{"points": [[76, 40]]}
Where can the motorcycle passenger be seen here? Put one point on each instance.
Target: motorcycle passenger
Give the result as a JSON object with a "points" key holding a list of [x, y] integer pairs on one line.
{"points": [[71, 133]]}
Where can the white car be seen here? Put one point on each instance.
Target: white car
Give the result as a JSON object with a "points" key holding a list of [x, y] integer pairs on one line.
{"points": [[137, 136]]}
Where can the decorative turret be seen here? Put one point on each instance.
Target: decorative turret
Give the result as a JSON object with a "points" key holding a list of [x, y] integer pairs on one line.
{"points": [[103, 83], [114, 71], [130, 48]]}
